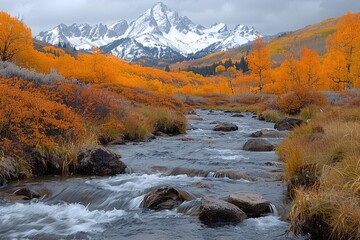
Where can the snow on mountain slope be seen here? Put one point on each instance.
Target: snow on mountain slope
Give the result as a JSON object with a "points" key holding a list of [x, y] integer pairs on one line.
{"points": [[158, 33]]}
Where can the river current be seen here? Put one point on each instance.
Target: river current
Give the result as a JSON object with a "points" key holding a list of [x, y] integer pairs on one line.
{"points": [[202, 163]]}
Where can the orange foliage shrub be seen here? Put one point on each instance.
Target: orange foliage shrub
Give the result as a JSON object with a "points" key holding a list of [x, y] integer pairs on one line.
{"points": [[141, 96], [292, 103], [247, 99], [29, 121]]}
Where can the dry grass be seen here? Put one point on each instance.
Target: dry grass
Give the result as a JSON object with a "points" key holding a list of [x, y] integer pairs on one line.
{"points": [[8, 168], [329, 207], [165, 120], [271, 115]]}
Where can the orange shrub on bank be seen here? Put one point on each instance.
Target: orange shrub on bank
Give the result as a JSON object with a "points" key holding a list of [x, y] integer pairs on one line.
{"points": [[292, 103], [30, 121]]}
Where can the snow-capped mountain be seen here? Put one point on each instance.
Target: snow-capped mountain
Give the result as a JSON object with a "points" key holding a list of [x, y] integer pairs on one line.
{"points": [[158, 33]]}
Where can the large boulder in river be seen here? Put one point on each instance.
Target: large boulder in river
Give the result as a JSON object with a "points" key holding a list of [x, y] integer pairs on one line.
{"points": [[100, 161], [225, 127], [253, 204], [164, 198], [213, 212], [287, 124], [258, 145], [268, 133]]}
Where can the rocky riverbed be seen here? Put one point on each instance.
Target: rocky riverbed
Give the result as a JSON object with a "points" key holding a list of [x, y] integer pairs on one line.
{"points": [[203, 167]]}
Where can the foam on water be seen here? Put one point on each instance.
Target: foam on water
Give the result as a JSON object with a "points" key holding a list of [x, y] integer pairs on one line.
{"points": [[222, 151], [231, 157], [265, 223], [136, 202], [273, 210], [140, 183], [60, 219]]}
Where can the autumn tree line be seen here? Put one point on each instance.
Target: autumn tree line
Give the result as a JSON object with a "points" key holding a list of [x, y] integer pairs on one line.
{"points": [[207, 71], [337, 70], [52, 103]]}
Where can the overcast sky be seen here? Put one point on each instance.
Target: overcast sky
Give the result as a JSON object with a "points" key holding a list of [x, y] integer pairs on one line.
{"points": [[267, 16]]}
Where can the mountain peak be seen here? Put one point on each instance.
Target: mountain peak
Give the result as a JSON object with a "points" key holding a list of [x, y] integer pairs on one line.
{"points": [[160, 6], [158, 33]]}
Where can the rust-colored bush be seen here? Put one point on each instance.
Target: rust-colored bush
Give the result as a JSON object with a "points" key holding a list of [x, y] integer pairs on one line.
{"points": [[292, 103]]}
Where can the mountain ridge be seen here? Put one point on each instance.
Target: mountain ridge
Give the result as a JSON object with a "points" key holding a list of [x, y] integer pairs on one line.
{"points": [[312, 36], [159, 33]]}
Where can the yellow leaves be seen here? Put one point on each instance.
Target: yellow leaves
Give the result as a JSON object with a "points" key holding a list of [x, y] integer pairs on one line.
{"points": [[335, 70], [56, 52], [15, 37], [346, 43], [232, 69], [259, 58], [309, 68], [220, 69], [259, 62]]}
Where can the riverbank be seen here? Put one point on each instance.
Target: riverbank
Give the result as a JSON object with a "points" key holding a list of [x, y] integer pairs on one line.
{"points": [[45, 120], [321, 160], [201, 163], [322, 168]]}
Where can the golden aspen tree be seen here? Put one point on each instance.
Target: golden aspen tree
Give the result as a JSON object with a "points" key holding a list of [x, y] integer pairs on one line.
{"points": [[259, 62], [15, 37], [346, 42], [309, 66]]}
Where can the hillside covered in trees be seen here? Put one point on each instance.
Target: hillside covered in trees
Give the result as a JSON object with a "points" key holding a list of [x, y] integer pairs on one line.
{"points": [[54, 102]]}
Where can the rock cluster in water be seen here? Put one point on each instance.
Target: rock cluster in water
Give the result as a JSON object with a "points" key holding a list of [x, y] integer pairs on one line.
{"points": [[211, 211]]}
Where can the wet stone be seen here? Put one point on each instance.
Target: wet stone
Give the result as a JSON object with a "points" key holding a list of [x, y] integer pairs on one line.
{"points": [[214, 212], [253, 204]]}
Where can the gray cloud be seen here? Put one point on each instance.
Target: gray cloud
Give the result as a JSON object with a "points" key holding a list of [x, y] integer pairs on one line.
{"points": [[268, 17]]}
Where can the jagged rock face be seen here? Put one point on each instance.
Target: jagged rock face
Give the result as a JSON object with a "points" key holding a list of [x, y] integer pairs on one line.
{"points": [[158, 33]]}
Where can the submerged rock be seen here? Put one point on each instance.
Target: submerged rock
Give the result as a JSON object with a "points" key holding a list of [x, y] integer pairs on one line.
{"points": [[226, 127], [213, 212], [238, 115], [287, 124], [164, 198], [253, 204], [268, 133], [118, 141], [258, 145], [190, 127], [26, 194], [97, 160], [148, 137], [201, 185], [261, 117], [232, 111]]}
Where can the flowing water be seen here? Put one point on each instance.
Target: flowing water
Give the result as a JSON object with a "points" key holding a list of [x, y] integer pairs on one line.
{"points": [[202, 162]]}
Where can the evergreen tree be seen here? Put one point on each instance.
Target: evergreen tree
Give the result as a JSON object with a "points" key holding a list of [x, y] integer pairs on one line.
{"points": [[243, 65]]}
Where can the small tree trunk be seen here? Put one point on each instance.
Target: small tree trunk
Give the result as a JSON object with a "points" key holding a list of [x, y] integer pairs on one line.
{"points": [[230, 83]]}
